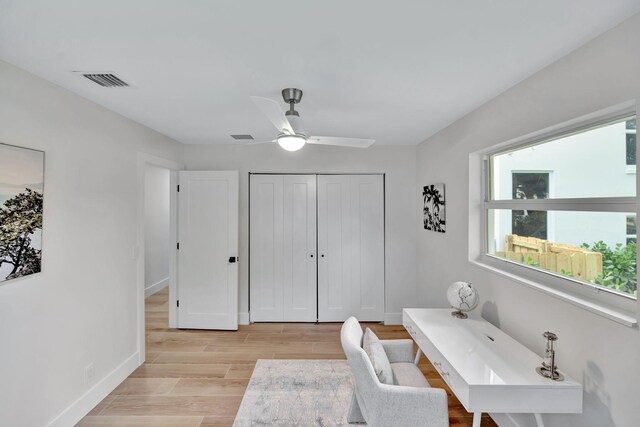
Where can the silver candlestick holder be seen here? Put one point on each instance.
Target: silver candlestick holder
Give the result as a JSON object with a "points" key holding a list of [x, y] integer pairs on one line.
{"points": [[549, 369]]}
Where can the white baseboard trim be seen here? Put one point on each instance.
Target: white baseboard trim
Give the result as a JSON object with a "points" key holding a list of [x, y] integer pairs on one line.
{"points": [[156, 287], [243, 318], [81, 407], [393, 318]]}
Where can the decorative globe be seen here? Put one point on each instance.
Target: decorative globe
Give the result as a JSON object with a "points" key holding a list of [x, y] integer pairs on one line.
{"points": [[463, 297]]}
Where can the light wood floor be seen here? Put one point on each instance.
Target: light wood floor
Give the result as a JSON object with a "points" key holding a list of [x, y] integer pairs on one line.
{"points": [[197, 378]]}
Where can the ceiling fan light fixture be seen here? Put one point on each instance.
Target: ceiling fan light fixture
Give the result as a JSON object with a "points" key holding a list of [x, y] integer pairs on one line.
{"points": [[291, 142], [292, 135]]}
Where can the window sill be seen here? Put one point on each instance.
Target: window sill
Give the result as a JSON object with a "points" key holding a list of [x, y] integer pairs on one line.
{"points": [[615, 314]]}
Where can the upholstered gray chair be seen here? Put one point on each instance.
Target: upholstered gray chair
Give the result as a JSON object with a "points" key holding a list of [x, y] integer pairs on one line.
{"points": [[410, 401]]}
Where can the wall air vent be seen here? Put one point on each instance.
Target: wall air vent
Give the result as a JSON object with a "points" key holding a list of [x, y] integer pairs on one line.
{"points": [[105, 79], [237, 137]]}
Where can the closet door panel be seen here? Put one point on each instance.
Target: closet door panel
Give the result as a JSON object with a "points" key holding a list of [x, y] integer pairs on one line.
{"points": [[266, 248], [300, 277], [367, 279], [334, 248]]}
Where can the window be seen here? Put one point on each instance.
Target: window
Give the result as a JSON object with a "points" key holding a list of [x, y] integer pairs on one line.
{"points": [[565, 206], [529, 185], [631, 229], [630, 131]]}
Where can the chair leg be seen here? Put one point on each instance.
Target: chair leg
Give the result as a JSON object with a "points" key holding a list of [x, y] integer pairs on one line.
{"points": [[355, 415]]}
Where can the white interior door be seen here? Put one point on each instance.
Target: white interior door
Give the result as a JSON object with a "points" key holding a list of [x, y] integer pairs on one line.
{"points": [[266, 255], [299, 273], [334, 244], [283, 248], [351, 247], [208, 250]]}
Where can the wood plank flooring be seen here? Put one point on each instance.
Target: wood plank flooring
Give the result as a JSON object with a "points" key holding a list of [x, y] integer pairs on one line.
{"points": [[197, 378]]}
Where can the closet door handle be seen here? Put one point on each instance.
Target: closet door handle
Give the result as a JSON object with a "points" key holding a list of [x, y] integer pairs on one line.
{"points": [[322, 255]]}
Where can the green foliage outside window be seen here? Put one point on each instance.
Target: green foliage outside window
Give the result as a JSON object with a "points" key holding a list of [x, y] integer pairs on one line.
{"points": [[618, 266]]}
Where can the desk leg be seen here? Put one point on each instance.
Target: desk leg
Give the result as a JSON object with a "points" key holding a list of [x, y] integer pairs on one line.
{"points": [[477, 417], [418, 355], [539, 420]]}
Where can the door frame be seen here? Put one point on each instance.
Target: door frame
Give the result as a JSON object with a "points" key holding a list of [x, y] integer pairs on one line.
{"points": [[143, 160]]}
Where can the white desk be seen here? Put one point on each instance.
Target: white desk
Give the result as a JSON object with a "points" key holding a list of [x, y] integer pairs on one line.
{"points": [[486, 369]]}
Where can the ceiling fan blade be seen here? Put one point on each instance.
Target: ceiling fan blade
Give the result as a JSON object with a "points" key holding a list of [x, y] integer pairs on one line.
{"points": [[296, 124], [272, 110], [341, 142]]}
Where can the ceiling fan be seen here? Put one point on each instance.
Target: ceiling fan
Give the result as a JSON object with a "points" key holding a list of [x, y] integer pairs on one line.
{"points": [[292, 136]]}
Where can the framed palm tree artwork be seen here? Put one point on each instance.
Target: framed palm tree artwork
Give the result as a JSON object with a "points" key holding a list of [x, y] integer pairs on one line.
{"points": [[434, 208]]}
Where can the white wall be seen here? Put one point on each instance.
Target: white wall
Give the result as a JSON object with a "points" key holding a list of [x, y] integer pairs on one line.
{"points": [[600, 353], [398, 163], [82, 308], [590, 164], [156, 229]]}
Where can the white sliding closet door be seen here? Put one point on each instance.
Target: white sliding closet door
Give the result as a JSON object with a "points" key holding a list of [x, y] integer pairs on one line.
{"points": [[283, 248], [351, 247]]}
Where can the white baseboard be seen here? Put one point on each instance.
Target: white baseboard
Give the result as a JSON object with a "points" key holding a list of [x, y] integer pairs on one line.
{"points": [[389, 318], [156, 287], [81, 407], [243, 318], [393, 318]]}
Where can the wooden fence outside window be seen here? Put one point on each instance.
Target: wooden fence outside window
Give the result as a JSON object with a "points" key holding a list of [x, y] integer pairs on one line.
{"points": [[564, 259]]}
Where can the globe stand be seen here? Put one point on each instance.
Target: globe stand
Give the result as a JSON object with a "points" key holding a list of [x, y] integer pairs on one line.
{"points": [[459, 314]]}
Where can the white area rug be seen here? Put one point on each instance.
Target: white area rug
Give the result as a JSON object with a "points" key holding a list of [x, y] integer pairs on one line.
{"points": [[297, 393]]}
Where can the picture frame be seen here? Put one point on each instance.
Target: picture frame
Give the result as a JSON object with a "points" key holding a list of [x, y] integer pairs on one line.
{"points": [[434, 209], [21, 211]]}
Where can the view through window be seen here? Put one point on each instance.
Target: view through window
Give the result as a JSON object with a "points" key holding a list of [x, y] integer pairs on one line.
{"points": [[630, 126], [530, 185], [566, 206]]}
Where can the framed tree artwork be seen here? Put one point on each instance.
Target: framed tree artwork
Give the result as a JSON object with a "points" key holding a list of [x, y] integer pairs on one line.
{"points": [[21, 196], [434, 208]]}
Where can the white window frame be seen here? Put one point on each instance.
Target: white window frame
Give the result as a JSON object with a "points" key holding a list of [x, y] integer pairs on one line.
{"points": [[612, 304]]}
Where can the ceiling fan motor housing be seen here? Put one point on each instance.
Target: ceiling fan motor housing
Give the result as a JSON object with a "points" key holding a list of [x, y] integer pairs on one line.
{"points": [[291, 94]]}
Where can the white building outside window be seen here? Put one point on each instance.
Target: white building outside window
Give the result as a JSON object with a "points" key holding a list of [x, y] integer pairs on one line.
{"points": [[566, 206]]}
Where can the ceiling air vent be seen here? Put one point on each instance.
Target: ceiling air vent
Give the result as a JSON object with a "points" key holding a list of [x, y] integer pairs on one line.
{"points": [[241, 137], [105, 80]]}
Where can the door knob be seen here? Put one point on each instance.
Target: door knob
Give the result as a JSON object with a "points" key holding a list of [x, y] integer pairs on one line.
{"points": [[232, 259]]}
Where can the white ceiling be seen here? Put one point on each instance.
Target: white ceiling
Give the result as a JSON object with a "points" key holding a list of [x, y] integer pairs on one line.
{"points": [[394, 71]]}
